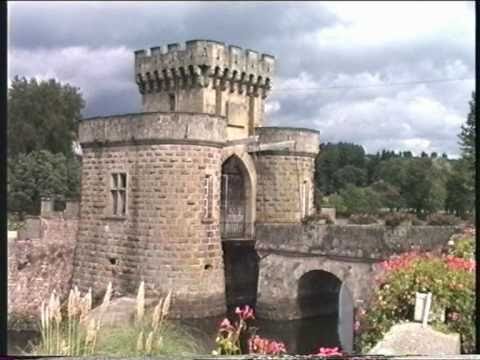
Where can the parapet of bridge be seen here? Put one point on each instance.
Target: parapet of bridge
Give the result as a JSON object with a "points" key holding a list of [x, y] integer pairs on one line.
{"points": [[350, 253]]}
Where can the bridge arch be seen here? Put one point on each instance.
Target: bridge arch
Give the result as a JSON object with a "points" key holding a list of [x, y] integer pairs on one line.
{"points": [[318, 293]]}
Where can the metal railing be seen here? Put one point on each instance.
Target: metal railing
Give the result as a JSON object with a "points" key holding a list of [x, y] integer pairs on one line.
{"points": [[233, 229]]}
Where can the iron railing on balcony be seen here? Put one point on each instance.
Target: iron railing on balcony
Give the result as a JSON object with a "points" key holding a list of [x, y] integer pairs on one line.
{"points": [[233, 229]]}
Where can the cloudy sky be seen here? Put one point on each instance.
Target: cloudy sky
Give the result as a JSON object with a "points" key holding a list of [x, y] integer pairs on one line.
{"points": [[363, 72]]}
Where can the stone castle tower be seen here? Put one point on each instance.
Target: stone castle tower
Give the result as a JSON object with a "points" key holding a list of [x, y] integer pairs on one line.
{"points": [[163, 189]]}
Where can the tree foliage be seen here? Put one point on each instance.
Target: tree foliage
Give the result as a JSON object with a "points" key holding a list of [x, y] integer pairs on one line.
{"points": [[42, 116], [335, 157], [39, 174], [467, 135]]}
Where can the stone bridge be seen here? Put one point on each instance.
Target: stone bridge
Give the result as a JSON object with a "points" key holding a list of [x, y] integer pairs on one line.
{"points": [[303, 267]]}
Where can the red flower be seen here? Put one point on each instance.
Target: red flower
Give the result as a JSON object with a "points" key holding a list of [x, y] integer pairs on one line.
{"points": [[258, 345], [327, 352]]}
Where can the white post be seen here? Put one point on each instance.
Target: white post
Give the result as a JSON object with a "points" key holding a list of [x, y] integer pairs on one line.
{"points": [[427, 309]]}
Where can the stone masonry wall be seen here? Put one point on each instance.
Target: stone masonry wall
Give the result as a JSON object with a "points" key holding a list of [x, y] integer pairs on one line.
{"points": [[38, 264], [280, 186], [164, 238], [369, 242], [350, 252]]}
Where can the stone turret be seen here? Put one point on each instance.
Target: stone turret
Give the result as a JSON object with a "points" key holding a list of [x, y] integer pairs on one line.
{"points": [[206, 76]]}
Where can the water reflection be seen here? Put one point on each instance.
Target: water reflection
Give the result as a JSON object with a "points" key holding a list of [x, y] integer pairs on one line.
{"points": [[303, 336], [20, 342], [300, 336]]}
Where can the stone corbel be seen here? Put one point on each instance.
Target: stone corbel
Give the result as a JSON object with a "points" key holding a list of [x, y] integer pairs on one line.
{"points": [[149, 87], [197, 76], [167, 81], [224, 80], [241, 83], [141, 83]]}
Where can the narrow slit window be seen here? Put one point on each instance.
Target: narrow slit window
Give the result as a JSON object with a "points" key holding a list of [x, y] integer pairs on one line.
{"points": [[171, 99], [305, 199], [208, 197], [119, 194]]}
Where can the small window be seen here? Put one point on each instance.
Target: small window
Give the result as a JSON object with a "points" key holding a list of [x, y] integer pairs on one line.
{"points": [[119, 193], [305, 199], [171, 99], [208, 197]]}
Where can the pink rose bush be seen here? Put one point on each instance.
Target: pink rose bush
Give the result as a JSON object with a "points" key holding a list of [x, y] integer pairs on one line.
{"points": [[450, 279]]}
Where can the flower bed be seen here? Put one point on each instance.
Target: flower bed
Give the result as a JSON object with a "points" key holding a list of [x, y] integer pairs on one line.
{"points": [[449, 278]]}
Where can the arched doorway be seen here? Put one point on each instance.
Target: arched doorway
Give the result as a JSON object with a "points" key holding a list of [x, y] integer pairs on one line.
{"points": [[236, 213], [236, 200]]}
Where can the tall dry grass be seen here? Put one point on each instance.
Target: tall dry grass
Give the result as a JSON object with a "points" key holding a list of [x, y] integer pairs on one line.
{"points": [[74, 333], [150, 339], [68, 334]]}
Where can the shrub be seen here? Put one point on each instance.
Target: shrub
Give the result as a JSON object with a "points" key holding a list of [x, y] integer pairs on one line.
{"points": [[398, 218], [417, 222], [14, 222], [463, 245], [442, 219], [450, 279], [312, 218], [362, 219]]}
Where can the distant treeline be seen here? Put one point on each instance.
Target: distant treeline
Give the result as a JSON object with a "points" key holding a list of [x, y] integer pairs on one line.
{"points": [[355, 182]]}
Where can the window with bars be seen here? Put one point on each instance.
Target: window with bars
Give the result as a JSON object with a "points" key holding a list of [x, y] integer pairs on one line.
{"points": [[119, 194], [208, 197]]}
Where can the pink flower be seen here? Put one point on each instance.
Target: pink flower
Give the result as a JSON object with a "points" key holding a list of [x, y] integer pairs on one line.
{"points": [[327, 352], [454, 316], [259, 345], [245, 313], [226, 325], [356, 326]]}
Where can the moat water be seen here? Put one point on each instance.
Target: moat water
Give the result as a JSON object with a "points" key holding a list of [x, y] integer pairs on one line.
{"points": [[300, 336]]}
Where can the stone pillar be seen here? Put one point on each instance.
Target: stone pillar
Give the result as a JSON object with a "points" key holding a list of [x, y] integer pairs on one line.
{"points": [[72, 209], [46, 208]]}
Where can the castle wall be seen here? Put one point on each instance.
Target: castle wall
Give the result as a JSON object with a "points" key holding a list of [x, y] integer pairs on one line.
{"points": [[285, 177], [165, 238], [206, 77], [40, 260]]}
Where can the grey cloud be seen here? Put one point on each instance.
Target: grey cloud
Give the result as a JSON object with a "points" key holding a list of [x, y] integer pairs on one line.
{"points": [[40, 32]]}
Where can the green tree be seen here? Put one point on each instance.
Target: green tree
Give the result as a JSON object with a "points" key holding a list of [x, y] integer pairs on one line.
{"points": [[424, 188], [460, 191], [333, 157], [359, 200], [467, 135], [37, 174], [349, 174], [42, 116], [389, 194], [393, 171]]}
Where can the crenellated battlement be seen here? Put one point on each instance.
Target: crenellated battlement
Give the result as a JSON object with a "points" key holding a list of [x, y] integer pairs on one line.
{"points": [[203, 64]]}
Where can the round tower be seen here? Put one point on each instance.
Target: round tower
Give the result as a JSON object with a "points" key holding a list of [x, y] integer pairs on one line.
{"points": [[149, 208], [285, 184]]}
